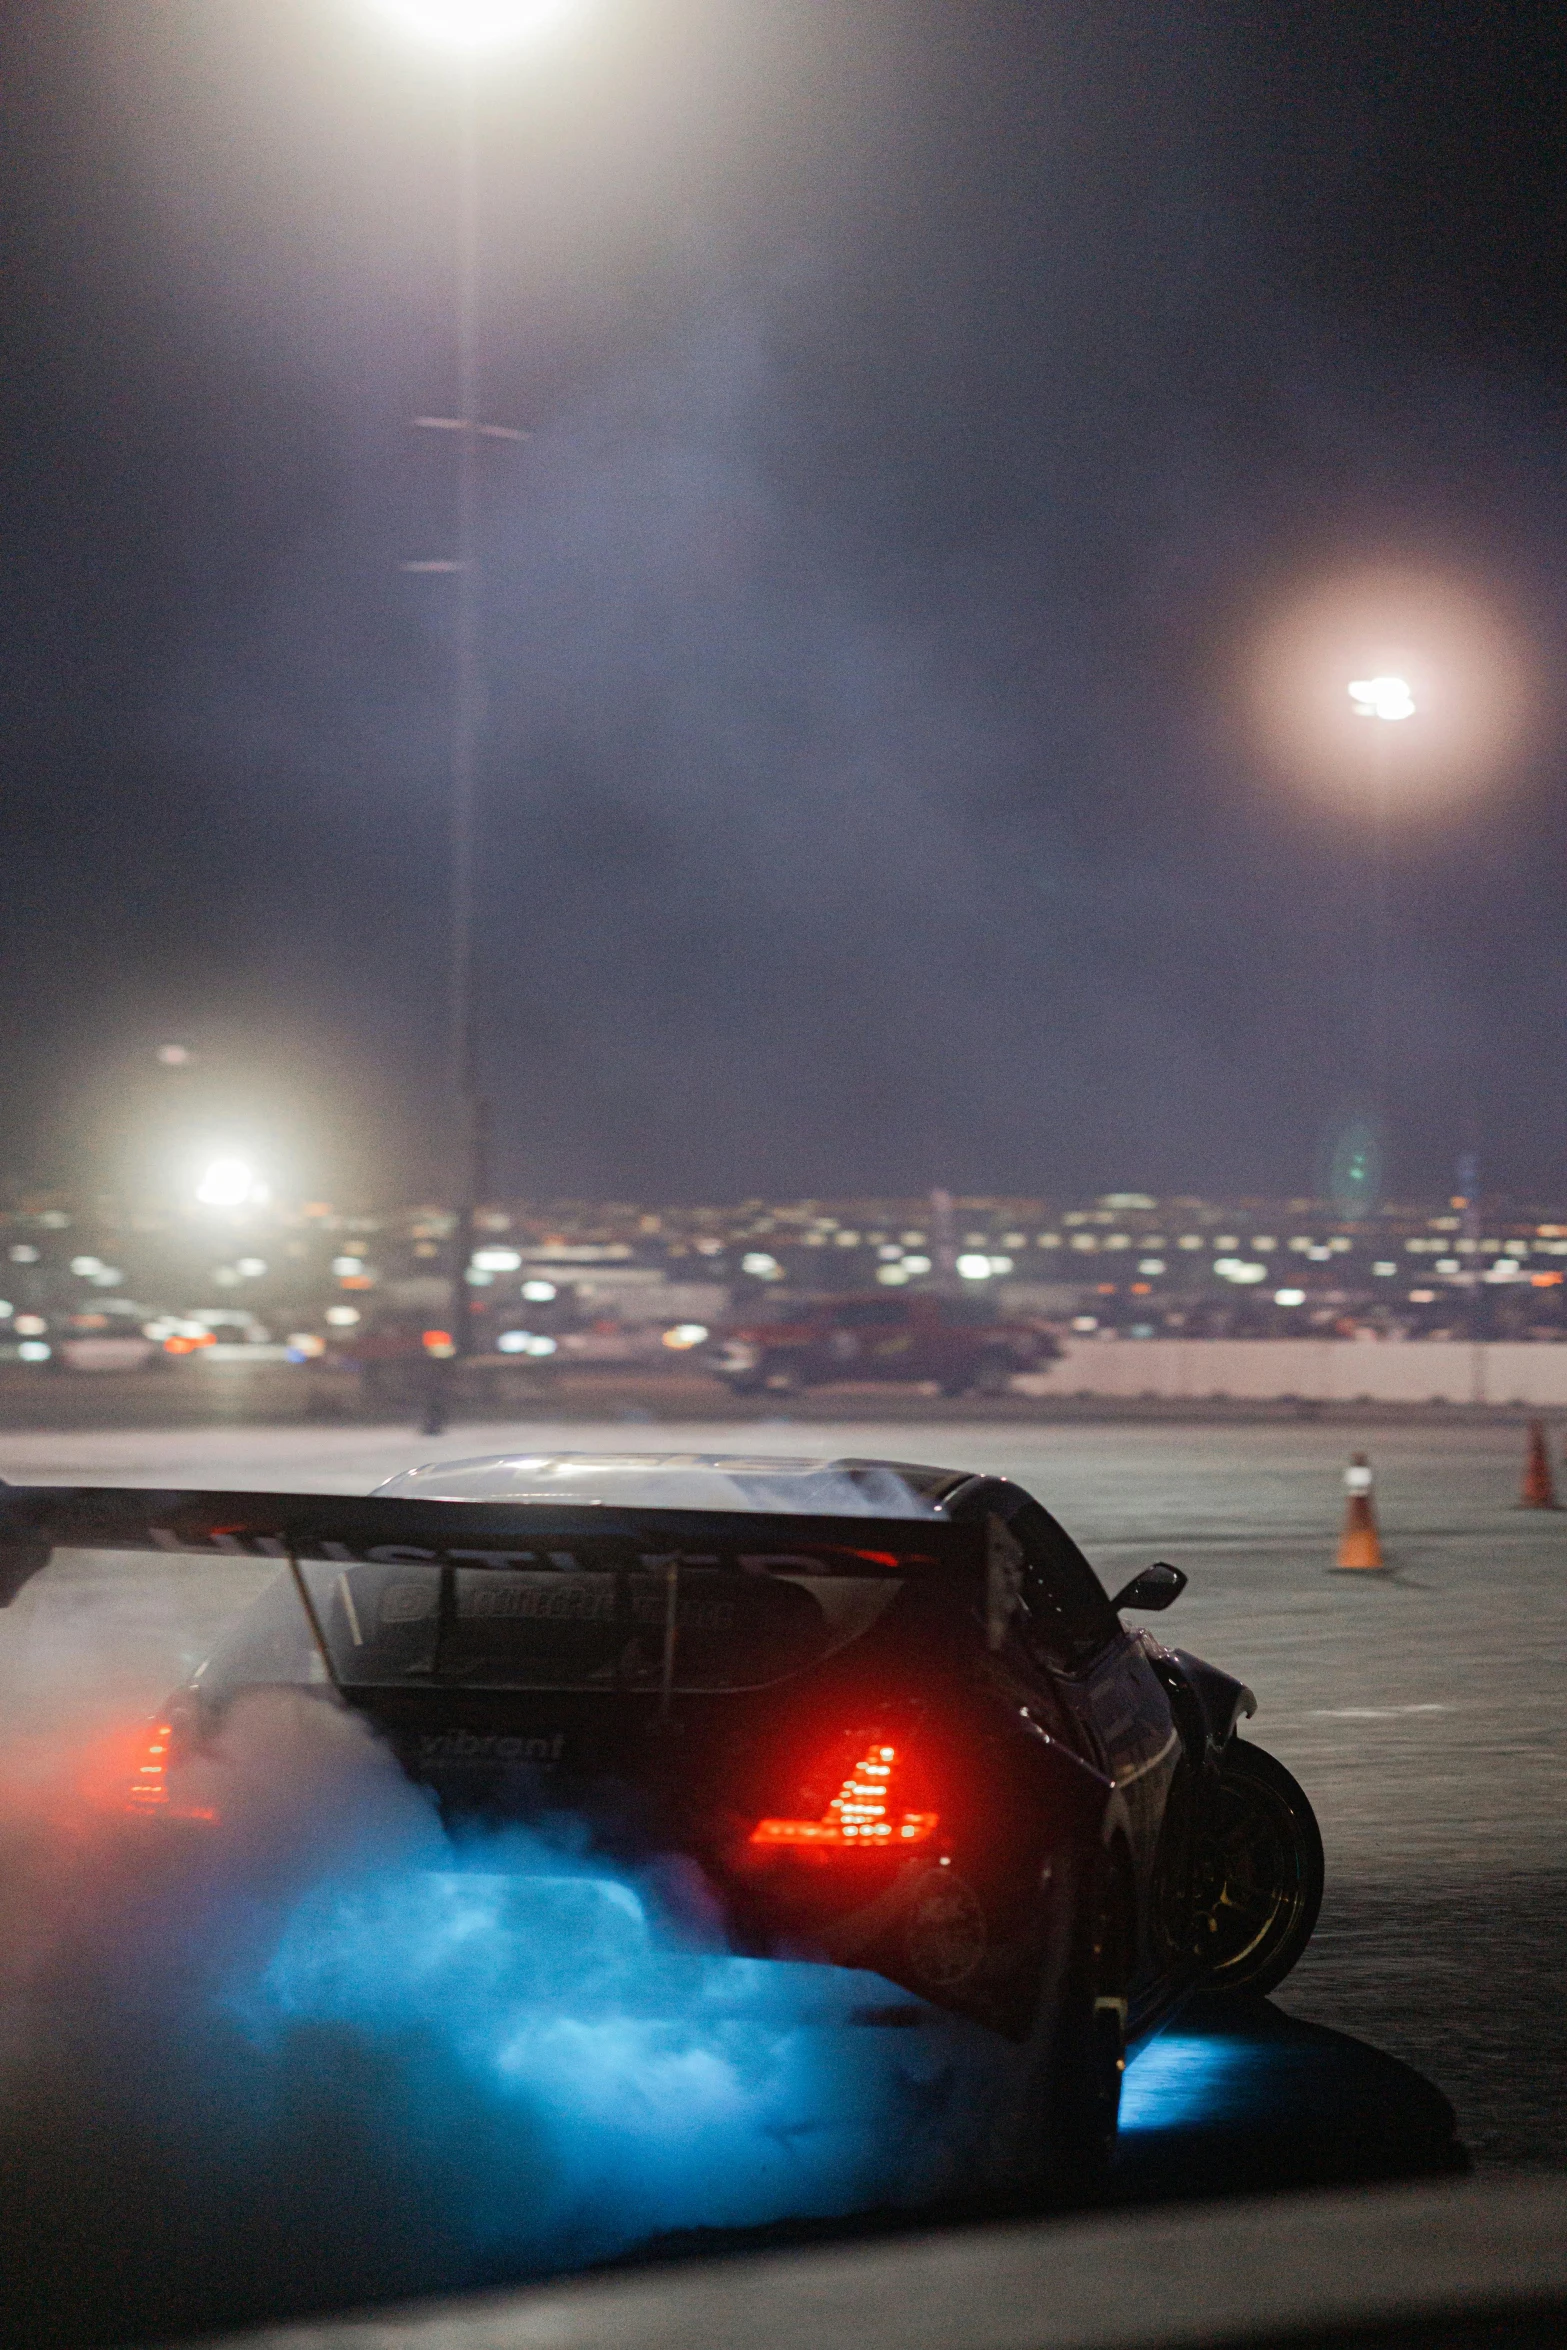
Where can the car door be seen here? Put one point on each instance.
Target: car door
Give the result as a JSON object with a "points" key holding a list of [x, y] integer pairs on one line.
{"points": [[872, 1339], [1098, 1670]]}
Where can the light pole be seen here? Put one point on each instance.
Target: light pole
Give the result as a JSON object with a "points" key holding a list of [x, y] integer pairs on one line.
{"points": [[468, 31], [1386, 702]]}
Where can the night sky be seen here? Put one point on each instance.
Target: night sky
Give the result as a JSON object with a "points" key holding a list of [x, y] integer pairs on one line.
{"points": [[936, 405]]}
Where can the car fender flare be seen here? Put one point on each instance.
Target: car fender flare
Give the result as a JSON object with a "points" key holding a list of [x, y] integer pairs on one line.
{"points": [[1221, 1701]]}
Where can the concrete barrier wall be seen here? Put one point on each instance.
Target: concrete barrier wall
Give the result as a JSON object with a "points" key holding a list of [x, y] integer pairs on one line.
{"points": [[1321, 1370]]}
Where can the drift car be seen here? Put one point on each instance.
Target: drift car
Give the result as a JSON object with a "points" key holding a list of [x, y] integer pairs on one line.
{"points": [[889, 1710]]}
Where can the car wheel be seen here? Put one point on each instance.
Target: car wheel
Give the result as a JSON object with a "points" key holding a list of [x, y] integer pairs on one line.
{"points": [[1262, 1871]]}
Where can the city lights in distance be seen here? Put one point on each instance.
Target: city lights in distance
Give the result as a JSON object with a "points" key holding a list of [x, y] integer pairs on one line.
{"points": [[685, 1334], [342, 1317], [1382, 697], [479, 28], [1289, 1297], [175, 1056], [497, 1260], [971, 1268], [526, 1342], [538, 1293]]}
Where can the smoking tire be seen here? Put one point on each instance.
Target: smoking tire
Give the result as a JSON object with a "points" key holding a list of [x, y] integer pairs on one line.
{"points": [[1262, 1870]]}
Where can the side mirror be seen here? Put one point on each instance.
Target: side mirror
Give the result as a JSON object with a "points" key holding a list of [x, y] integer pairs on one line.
{"points": [[1157, 1587]]}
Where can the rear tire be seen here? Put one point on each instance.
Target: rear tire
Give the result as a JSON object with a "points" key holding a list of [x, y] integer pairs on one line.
{"points": [[1262, 1873]]}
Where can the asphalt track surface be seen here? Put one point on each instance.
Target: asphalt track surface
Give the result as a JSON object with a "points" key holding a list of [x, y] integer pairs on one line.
{"points": [[1423, 1710]]}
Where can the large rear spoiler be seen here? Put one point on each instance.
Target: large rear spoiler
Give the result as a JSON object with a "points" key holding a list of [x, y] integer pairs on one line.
{"points": [[37, 1520]]}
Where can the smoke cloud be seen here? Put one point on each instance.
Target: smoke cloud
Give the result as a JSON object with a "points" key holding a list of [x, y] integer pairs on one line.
{"points": [[316, 2051]]}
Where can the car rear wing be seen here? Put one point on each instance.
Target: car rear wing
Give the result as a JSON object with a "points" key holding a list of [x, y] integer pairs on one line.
{"points": [[37, 1520]]}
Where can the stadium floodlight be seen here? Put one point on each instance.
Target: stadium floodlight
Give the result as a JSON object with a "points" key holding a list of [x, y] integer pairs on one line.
{"points": [[1382, 697], [477, 28], [227, 1183]]}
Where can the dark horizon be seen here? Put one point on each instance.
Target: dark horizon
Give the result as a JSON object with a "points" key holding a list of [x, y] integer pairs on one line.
{"points": [[931, 408]]}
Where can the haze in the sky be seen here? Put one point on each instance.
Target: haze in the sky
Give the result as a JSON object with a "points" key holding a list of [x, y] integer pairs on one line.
{"points": [[937, 413]]}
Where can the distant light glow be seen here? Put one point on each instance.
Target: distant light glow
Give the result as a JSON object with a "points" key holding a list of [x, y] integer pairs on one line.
{"points": [[538, 1293], [1150, 1265], [916, 1264], [892, 1276], [1289, 1297], [34, 1350], [1242, 1270], [479, 27], [1382, 697], [497, 1260], [526, 1342], [342, 1317], [760, 1265], [227, 1183], [1085, 1322], [30, 1325], [974, 1268], [86, 1265], [251, 1267], [685, 1334]]}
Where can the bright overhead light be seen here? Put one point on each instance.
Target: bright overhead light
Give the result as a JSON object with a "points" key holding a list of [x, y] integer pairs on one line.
{"points": [[476, 28], [1382, 697], [974, 1268], [228, 1183]]}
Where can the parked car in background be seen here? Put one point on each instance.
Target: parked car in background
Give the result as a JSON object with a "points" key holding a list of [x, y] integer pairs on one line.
{"points": [[964, 1344]]}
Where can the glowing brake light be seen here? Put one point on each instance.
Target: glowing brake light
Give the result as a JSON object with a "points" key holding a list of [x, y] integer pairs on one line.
{"points": [[149, 1787], [864, 1815]]}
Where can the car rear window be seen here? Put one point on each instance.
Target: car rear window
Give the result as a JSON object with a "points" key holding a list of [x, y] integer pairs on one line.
{"points": [[587, 1627]]}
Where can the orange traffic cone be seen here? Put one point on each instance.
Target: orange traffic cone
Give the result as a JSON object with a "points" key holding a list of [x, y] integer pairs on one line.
{"points": [[1360, 1545], [1539, 1485]]}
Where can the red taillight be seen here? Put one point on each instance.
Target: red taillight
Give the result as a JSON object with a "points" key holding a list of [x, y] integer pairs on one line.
{"points": [[149, 1787], [866, 1815]]}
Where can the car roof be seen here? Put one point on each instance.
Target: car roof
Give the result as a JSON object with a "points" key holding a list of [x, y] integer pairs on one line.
{"points": [[687, 1481]]}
